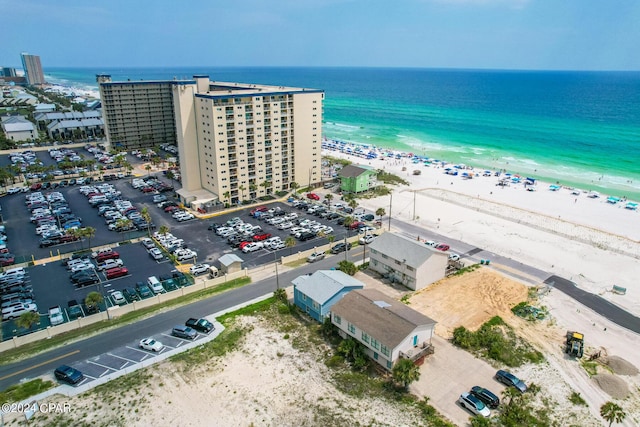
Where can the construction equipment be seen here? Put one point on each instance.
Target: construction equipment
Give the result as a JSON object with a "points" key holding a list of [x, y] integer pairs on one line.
{"points": [[575, 344]]}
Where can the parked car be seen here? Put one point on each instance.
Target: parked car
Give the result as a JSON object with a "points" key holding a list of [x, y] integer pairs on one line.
{"points": [[487, 397], [184, 332], [185, 254], [199, 269], [340, 247], [261, 237], [454, 257], [367, 238], [442, 247], [368, 217], [430, 243], [68, 374], [313, 196], [150, 344], [55, 315], [252, 247], [113, 273], [118, 298], [109, 264], [148, 243], [131, 294], [200, 325], [108, 255], [508, 379], [156, 254], [143, 290], [316, 256], [474, 405], [74, 310], [86, 280]]}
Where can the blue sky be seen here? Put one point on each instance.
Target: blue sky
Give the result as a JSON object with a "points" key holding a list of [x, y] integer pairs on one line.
{"points": [[494, 34]]}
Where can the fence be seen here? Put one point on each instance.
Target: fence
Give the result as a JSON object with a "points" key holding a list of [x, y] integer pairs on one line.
{"points": [[117, 311]]}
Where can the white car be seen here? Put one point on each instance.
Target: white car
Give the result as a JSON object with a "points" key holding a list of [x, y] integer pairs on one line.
{"points": [[14, 190], [156, 254], [185, 254], [365, 230], [252, 247], [110, 263], [55, 315], [147, 243], [366, 239], [430, 243], [82, 266], [118, 297], [277, 245], [198, 269], [454, 257], [150, 344], [474, 405], [185, 217]]}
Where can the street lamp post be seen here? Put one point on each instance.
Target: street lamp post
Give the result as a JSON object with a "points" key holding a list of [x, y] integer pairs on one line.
{"points": [[275, 262]]}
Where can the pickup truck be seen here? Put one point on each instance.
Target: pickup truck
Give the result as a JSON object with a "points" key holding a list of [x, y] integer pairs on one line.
{"points": [[55, 315], [109, 264], [200, 325]]}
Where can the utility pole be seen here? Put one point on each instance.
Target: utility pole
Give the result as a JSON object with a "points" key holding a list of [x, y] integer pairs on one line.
{"points": [[275, 262], [414, 205], [346, 248], [390, 201]]}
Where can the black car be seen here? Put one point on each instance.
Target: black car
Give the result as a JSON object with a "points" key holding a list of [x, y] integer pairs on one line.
{"points": [[340, 247], [82, 274], [68, 374], [143, 290], [169, 285], [87, 281], [306, 236], [340, 221], [45, 243], [487, 397], [508, 379], [130, 294], [368, 217], [200, 325]]}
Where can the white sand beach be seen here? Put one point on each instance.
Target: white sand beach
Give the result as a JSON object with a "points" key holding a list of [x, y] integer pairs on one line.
{"points": [[594, 243]]}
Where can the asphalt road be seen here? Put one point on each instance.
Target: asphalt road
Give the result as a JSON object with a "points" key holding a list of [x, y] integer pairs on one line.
{"points": [[45, 363]]}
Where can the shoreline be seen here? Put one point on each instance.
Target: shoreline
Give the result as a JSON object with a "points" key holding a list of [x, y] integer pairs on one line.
{"points": [[591, 242]]}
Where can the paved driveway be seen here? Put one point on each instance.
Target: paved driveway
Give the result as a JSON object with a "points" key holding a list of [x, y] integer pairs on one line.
{"points": [[448, 373]]}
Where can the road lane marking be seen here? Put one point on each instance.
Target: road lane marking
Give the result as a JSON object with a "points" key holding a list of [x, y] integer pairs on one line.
{"points": [[39, 364]]}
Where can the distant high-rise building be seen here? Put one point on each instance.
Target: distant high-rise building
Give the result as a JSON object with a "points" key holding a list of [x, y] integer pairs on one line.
{"points": [[32, 69], [8, 72]]}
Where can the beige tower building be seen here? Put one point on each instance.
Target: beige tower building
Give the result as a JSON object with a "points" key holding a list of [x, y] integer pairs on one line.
{"points": [[32, 69], [243, 141], [236, 141]]}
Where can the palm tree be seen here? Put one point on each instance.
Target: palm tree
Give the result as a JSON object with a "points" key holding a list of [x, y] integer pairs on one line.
{"points": [[148, 169], [331, 238], [348, 221], [405, 372], [164, 230], [353, 204], [266, 184], [27, 320], [290, 242], [294, 186], [144, 213], [241, 188], [329, 197], [89, 233], [94, 299], [612, 412], [380, 212], [227, 196], [252, 190]]}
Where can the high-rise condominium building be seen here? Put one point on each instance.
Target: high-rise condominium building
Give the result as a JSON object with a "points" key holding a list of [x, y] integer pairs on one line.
{"points": [[236, 141], [138, 114], [32, 69], [8, 72]]}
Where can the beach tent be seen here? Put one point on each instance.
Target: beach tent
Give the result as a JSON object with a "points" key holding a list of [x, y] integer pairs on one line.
{"points": [[530, 181], [594, 195], [553, 187], [613, 200], [632, 206]]}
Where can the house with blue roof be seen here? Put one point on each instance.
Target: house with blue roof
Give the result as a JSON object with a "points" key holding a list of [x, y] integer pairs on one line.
{"points": [[317, 293]]}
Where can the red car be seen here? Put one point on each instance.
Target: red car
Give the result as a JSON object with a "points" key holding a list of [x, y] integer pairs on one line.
{"points": [[261, 237], [171, 209], [7, 259], [313, 196], [68, 238], [107, 255], [112, 273], [357, 224], [148, 190], [442, 247]]}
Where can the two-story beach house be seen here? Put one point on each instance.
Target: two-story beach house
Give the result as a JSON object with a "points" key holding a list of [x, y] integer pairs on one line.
{"points": [[407, 261], [317, 293], [388, 329], [356, 179]]}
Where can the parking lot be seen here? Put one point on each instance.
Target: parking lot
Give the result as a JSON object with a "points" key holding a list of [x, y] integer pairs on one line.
{"points": [[126, 357]]}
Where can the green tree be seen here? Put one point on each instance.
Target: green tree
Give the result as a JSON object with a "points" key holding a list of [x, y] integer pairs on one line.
{"points": [[405, 372], [144, 213], [347, 267], [353, 204], [94, 299], [266, 184], [348, 221], [380, 212], [227, 196], [331, 238], [280, 294], [290, 242], [241, 188], [612, 412], [164, 230], [89, 233], [353, 352], [294, 186], [147, 167], [479, 421], [329, 197], [27, 320]]}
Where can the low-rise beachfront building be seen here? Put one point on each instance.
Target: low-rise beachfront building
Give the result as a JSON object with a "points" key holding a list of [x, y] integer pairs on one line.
{"points": [[18, 128], [67, 129], [44, 108], [44, 119], [407, 261], [230, 263], [357, 178], [388, 329], [317, 293]]}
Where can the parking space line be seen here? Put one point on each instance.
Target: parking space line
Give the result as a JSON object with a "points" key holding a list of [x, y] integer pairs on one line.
{"points": [[123, 358], [106, 372], [136, 349], [99, 364]]}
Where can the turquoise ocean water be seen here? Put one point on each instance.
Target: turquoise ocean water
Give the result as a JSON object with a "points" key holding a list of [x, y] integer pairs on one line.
{"points": [[578, 128]]}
